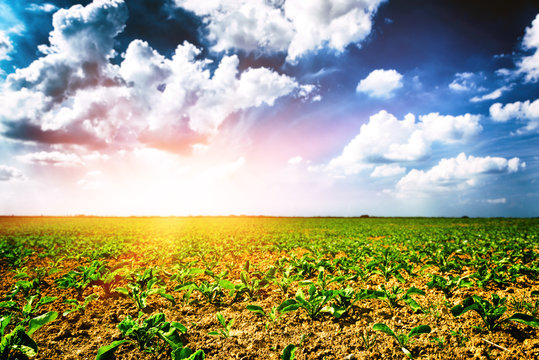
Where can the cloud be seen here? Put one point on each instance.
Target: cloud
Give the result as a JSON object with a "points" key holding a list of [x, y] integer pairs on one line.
{"points": [[75, 94], [380, 83], [387, 170], [6, 46], [491, 96], [463, 82], [46, 7], [385, 139], [529, 65], [53, 158], [459, 173], [8, 173], [293, 26], [526, 111], [496, 201], [295, 160]]}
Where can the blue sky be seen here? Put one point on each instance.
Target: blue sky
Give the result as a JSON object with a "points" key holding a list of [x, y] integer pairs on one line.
{"points": [[273, 107]]}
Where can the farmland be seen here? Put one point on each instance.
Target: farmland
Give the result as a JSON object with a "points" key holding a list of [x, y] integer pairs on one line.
{"points": [[269, 288]]}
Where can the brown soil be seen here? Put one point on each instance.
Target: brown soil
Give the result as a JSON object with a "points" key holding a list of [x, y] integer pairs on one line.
{"points": [[79, 335]]}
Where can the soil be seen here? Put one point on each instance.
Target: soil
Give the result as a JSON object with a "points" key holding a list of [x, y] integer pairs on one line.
{"points": [[79, 335]]}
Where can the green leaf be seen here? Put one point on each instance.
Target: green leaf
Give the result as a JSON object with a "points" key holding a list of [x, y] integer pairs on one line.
{"points": [[197, 355], [414, 291], [289, 352], [178, 327], [407, 352], [3, 324], [256, 309], [106, 352], [122, 291], [384, 328], [524, 319], [221, 319], [413, 304], [418, 330], [214, 333], [45, 300], [41, 320]]}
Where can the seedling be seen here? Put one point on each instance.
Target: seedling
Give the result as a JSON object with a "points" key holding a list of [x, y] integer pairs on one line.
{"points": [[146, 335], [393, 299], [448, 285], [77, 306], [460, 337], [144, 285], [289, 352], [403, 339], [272, 315], [80, 278], [252, 283], [368, 339], [492, 312], [225, 330], [313, 305], [19, 340]]}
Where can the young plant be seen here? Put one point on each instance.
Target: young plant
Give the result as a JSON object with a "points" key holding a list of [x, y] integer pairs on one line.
{"points": [[492, 312], [225, 330], [393, 299], [77, 306], [272, 315], [252, 283], [81, 278], [19, 340], [152, 335], [142, 286], [459, 337], [448, 285], [403, 339], [289, 352], [344, 299], [368, 339], [313, 305]]}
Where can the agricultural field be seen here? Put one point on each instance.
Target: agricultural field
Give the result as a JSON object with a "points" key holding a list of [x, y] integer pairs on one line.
{"points": [[269, 288]]}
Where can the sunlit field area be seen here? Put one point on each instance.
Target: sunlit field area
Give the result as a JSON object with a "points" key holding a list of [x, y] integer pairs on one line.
{"points": [[269, 288]]}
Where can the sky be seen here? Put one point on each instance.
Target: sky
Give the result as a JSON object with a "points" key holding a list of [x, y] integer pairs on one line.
{"points": [[269, 107]]}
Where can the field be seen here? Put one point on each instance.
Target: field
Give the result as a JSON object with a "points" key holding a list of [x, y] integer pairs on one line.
{"points": [[269, 288]]}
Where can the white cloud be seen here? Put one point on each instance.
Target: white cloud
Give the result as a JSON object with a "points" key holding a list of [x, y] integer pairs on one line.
{"points": [[529, 65], [294, 26], [46, 7], [491, 96], [526, 111], [387, 170], [54, 158], [8, 173], [453, 174], [380, 83], [386, 139], [295, 160], [496, 201], [463, 82], [75, 95], [6, 46]]}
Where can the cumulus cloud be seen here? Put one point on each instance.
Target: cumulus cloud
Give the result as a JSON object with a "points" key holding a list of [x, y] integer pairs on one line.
{"points": [[491, 96], [74, 94], [8, 173], [385, 139], [292, 26], [526, 111], [6, 46], [380, 83], [53, 158], [387, 170], [459, 173], [529, 65]]}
